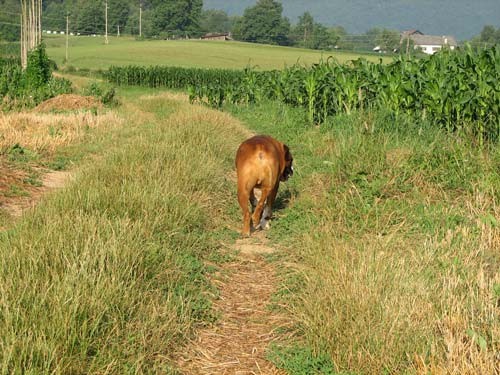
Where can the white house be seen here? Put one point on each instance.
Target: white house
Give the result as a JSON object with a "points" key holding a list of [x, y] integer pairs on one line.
{"points": [[429, 44]]}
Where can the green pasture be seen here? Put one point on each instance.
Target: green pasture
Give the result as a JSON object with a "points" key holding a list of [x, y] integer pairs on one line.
{"points": [[87, 52]]}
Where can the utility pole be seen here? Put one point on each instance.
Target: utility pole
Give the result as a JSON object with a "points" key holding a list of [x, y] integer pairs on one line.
{"points": [[118, 34], [106, 41], [39, 16], [31, 27], [24, 54], [140, 18], [67, 35]]}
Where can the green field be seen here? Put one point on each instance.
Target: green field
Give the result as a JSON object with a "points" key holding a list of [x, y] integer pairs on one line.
{"points": [[91, 53], [387, 235]]}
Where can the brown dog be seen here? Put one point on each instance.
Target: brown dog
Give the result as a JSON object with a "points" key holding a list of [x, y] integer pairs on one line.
{"points": [[261, 162]]}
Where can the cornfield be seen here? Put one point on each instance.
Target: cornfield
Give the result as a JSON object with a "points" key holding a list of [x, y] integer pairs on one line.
{"points": [[171, 77], [455, 90]]}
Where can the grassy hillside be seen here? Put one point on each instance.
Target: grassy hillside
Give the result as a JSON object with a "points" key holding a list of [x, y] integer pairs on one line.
{"points": [[92, 53]]}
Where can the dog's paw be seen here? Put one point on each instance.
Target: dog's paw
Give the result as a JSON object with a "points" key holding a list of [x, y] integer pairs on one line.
{"points": [[264, 224]]}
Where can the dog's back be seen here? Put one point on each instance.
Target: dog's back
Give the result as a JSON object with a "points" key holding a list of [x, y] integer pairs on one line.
{"points": [[261, 162], [257, 162]]}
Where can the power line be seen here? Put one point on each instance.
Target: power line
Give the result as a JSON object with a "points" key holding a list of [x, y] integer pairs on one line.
{"points": [[356, 39], [19, 14], [9, 23]]}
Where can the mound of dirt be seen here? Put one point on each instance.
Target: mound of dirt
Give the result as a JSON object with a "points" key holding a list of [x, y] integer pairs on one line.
{"points": [[69, 102]]}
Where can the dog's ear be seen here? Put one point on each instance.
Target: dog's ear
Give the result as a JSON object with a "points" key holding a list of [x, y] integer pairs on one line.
{"points": [[287, 168], [288, 154]]}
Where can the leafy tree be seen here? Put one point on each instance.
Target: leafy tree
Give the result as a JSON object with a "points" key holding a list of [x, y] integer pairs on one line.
{"points": [[54, 16], [118, 12], [8, 30], [310, 34], [336, 35], [490, 35], [213, 20], [132, 23], [263, 23], [385, 39], [322, 39], [91, 19], [176, 16], [302, 33]]}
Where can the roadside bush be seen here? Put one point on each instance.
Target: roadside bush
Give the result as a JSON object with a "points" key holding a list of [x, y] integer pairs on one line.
{"points": [[106, 95], [35, 84]]}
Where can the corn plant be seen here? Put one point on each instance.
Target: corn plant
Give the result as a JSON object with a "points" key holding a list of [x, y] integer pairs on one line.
{"points": [[455, 90]]}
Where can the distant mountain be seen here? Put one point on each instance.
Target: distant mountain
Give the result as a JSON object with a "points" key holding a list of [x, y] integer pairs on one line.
{"points": [[460, 18]]}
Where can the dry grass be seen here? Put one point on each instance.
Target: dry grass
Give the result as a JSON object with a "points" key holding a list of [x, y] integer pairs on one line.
{"points": [[69, 102], [42, 132], [394, 292]]}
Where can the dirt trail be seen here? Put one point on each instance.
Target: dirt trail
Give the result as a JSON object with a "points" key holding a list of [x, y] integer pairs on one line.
{"points": [[237, 342], [52, 180]]}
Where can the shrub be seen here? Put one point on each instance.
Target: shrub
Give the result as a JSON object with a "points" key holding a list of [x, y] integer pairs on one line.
{"points": [[33, 85]]}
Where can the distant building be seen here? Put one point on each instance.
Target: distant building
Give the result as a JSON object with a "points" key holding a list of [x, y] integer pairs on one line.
{"points": [[428, 44], [217, 36]]}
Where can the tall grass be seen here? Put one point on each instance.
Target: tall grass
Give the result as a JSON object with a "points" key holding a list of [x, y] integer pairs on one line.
{"points": [[107, 276], [395, 237], [47, 132]]}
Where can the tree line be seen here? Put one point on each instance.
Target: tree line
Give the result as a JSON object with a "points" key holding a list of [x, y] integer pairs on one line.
{"points": [[262, 23]]}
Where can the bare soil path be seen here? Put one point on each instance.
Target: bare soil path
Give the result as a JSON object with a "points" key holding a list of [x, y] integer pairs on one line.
{"points": [[15, 206], [236, 344]]}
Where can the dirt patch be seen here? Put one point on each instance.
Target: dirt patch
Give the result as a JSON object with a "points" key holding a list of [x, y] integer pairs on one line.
{"points": [[56, 179], [68, 102], [9, 177], [17, 195], [248, 248], [237, 343]]}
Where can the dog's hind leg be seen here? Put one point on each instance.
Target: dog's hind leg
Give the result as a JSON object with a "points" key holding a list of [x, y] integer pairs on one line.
{"points": [[243, 196], [260, 206], [267, 213], [253, 200]]}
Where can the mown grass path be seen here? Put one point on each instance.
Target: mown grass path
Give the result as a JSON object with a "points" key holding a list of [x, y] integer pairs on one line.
{"points": [[237, 342]]}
